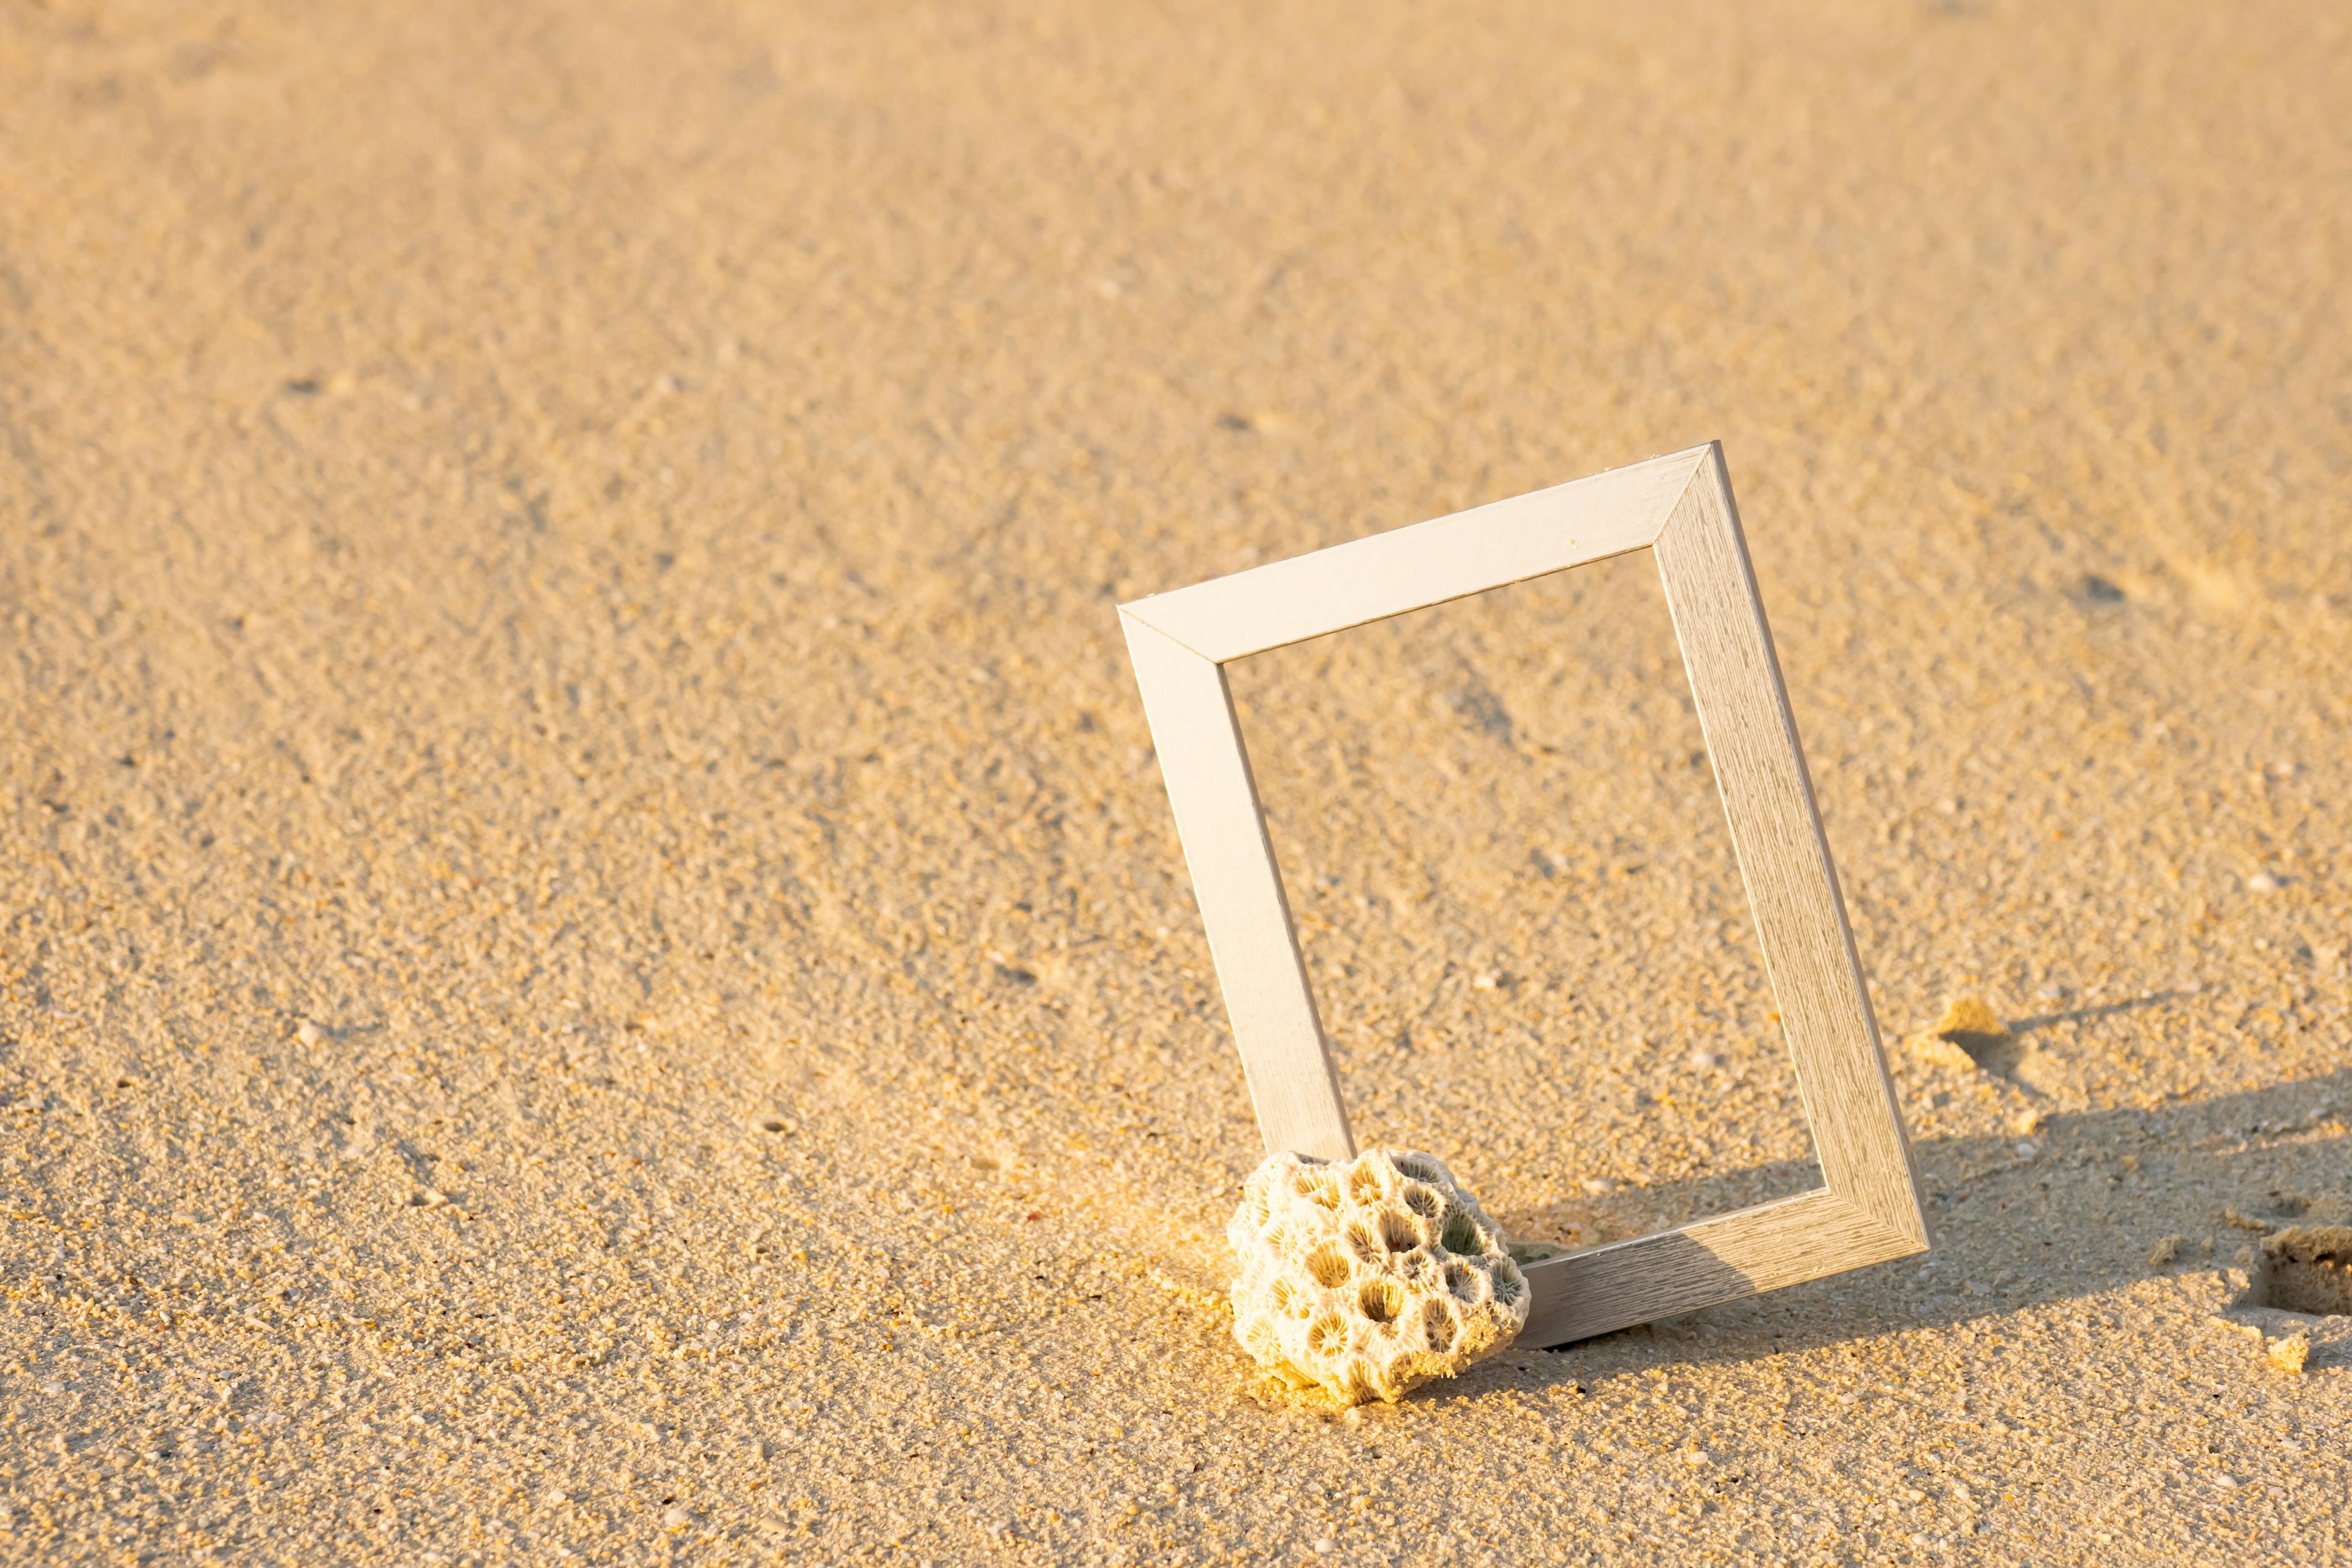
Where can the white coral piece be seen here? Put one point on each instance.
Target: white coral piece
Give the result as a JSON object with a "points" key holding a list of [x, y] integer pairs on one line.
{"points": [[1368, 1278]]}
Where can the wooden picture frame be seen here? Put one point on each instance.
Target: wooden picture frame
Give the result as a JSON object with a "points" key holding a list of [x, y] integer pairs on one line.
{"points": [[1680, 509]]}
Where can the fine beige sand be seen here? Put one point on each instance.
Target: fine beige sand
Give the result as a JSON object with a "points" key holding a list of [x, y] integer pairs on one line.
{"points": [[595, 966]]}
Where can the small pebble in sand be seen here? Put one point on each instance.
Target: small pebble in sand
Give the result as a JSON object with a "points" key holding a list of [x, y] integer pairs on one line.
{"points": [[309, 1033], [677, 1518], [1970, 1016], [1967, 1029], [2263, 883], [1702, 1060]]}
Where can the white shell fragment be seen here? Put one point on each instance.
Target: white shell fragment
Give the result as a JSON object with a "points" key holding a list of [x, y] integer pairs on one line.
{"points": [[1368, 1276]]}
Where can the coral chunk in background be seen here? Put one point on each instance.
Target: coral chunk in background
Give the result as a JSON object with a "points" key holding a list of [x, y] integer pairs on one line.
{"points": [[1368, 1278], [2309, 1269]]}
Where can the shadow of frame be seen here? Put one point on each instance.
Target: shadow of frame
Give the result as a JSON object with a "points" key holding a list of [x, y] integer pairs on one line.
{"points": [[2071, 1213]]}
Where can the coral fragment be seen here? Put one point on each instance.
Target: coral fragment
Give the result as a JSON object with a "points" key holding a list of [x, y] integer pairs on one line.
{"points": [[1366, 1278]]}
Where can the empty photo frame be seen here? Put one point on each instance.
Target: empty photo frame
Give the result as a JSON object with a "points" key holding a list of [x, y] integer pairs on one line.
{"points": [[1680, 509]]}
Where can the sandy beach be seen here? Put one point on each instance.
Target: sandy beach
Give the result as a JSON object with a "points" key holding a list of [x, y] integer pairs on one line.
{"points": [[593, 962]]}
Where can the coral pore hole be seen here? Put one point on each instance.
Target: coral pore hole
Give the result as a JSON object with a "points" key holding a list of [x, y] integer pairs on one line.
{"points": [[1328, 1265]]}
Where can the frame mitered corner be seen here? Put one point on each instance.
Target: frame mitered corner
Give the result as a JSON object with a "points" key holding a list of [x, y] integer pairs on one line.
{"points": [[1413, 568]]}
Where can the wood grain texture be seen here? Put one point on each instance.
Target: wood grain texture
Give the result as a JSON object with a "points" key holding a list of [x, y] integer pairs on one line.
{"points": [[1713, 1260], [1776, 832], [1239, 889], [1413, 568]]}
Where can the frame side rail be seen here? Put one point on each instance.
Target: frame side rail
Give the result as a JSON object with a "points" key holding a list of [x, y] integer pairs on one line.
{"points": [[1239, 887]]}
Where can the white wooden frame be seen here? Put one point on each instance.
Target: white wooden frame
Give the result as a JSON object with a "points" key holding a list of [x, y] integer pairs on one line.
{"points": [[1680, 509]]}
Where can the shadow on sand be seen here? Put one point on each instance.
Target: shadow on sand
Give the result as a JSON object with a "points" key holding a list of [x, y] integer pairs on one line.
{"points": [[2073, 1212]]}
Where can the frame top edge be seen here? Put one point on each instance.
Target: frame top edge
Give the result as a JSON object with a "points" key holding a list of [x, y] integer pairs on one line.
{"points": [[1695, 456]]}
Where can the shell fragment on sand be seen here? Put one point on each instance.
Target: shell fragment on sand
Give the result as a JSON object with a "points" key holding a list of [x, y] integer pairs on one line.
{"points": [[1365, 1277]]}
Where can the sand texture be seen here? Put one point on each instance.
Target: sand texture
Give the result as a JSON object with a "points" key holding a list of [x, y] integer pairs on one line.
{"points": [[593, 966]]}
